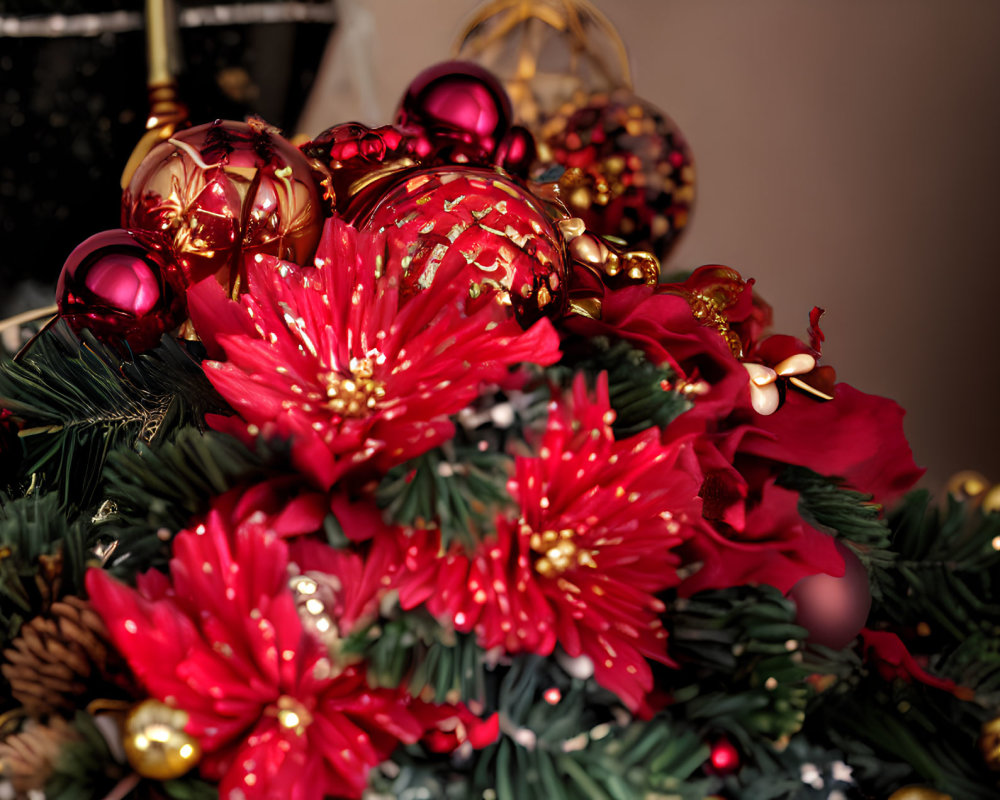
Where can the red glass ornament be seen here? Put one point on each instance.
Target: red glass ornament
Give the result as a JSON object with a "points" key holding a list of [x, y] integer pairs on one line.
{"points": [[461, 102], [362, 160], [123, 286], [834, 610], [629, 171], [475, 225], [517, 152], [223, 191], [724, 757]]}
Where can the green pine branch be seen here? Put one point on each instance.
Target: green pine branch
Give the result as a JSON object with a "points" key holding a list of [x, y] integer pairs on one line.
{"points": [[742, 666], [435, 664], [945, 571], [148, 490], [457, 488], [851, 516], [905, 732], [78, 401], [642, 394]]}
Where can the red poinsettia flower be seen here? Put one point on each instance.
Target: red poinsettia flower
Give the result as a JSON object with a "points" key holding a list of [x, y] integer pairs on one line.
{"points": [[595, 541], [276, 713], [330, 357]]}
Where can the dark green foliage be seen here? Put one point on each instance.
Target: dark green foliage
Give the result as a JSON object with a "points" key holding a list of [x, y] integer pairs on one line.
{"points": [[190, 787], [155, 491], [945, 572], [79, 401], [457, 488], [86, 768], [742, 667], [799, 771], [897, 732], [851, 516], [569, 747], [33, 530], [574, 752], [165, 486], [435, 664], [642, 394]]}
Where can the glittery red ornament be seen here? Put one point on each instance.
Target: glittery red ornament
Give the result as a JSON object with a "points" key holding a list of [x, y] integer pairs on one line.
{"points": [[629, 171], [474, 225], [724, 757], [225, 190], [461, 102], [123, 286], [834, 610]]}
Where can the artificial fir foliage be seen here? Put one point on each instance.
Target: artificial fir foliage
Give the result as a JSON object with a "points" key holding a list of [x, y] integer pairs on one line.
{"points": [[468, 505]]}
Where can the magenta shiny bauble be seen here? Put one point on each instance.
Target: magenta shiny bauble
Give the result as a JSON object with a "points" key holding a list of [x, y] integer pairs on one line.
{"points": [[517, 152], [834, 610], [123, 286], [222, 192], [461, 101], [476, 226]]}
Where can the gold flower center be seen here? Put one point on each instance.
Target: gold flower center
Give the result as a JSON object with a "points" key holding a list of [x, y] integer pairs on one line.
{"points": [[356, 394], [291, 714], [558, 552]]}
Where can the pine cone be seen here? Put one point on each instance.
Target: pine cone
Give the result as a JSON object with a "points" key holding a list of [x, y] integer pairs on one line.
{"points": [[27, 758], [62, 659]]}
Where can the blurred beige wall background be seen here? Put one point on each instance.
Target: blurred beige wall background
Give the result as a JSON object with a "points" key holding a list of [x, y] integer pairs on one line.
{"points": [[848, 156]]}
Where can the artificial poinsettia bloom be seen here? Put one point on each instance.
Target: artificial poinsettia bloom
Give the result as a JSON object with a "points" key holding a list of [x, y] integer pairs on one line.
{"points": [[222, 638], [705, 328], [332, 358], [595, 542]]}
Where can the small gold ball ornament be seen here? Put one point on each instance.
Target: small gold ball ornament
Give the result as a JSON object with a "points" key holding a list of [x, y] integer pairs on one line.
{"points": [[967, 484], [919, 793], [989, 743], [155, 742]]}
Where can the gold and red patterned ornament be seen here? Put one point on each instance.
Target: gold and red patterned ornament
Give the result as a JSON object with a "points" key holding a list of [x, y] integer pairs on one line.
{"points": [[447, 184], [478, 224], [224, 191], [629, 172], [438, 187], [123, 285]]}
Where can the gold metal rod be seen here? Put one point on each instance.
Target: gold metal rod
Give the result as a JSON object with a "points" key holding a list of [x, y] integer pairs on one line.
{"points": [[159, 17], [28, 316]]}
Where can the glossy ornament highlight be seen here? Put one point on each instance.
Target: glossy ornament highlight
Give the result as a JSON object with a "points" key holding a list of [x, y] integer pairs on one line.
{"points": [[224, 191], [122, 284], [155, 742], [834, 609], [462, 103]]}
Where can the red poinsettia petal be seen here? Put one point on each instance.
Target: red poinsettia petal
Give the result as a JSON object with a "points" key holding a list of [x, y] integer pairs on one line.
{"points": [[856, 436], [329, 357]]}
